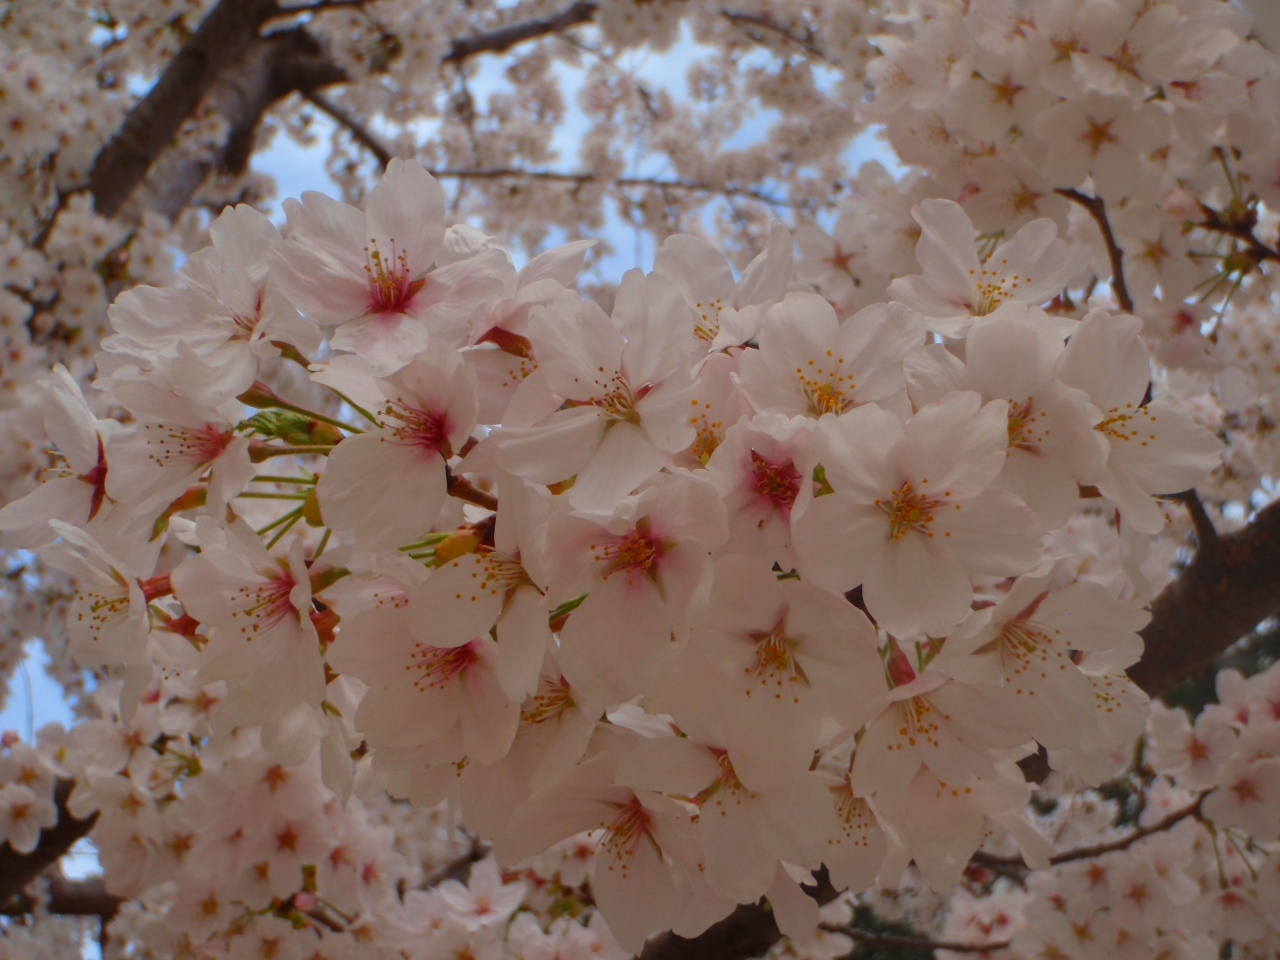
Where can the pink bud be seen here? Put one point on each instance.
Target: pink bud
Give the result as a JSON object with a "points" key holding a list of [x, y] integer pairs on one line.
{"points": [[900, 669]]}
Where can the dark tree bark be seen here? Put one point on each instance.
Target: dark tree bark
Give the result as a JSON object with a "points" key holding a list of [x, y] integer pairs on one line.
{"points": [[223, 35], [1228, 589], [19, 869]]}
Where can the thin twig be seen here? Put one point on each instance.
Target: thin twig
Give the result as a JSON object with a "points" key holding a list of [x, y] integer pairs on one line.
{"points": [[1097, 207], [1097, 850], [503, 38], [464, 489], [352, 126], [506, 173], [807, 45], [1215, 223], [458, 868]]}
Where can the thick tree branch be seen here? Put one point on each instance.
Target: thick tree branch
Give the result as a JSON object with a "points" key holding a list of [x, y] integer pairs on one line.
{"points": [[1097, 207], [19, 869], [1206, 532], [69, 898], [559, 176], [241, 75], [1221, 595], [223, 35]]}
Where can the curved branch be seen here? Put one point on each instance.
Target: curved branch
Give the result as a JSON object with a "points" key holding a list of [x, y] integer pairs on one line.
{"points": [[241, 75], [1097, 207], [353, 126], [19, 869]]}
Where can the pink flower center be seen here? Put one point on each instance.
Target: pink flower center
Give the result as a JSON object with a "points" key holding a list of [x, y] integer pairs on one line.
{"points": [[551, 700], [631, 826], [778, 482], [264, 604], [186, 446], [440, 666], [390, 285], [418, 428]]}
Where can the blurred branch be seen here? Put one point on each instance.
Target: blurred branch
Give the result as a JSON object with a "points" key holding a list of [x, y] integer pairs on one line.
{"points": [[69, 898], [220, 39], [1097, 850], [912, 943], [504, 38], [746, 20], [19, 869], [512, 173], [353, 126]]}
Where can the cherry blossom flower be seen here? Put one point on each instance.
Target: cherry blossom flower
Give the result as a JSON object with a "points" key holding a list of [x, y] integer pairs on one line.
{"points": [[369, 274], [920, 498], [957, 286], [23, 815], [808, 364], [641, 853], [78, 491], [780, 657], [385, 487], [1151, 448], [419, 692], [728, 312], [255, 609], [640, 568], [1026, 644], [227, 311], [625, 383], [177, 438], [762, 470], [1011, 355], [499, 588]]}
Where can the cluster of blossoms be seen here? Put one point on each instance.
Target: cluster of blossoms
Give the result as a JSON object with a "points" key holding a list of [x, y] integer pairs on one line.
{"points": [[1162, 111], [755, 570], [223, 852], [1209, 870], [744, 588]]}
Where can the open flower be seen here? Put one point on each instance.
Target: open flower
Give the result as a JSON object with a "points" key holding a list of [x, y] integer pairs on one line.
{"points": [[370, 273], [728, 312], [810, 364], [385, 487], [913, 512], [625, 385], [1012, 355], [227, 310], [1149, 448], [640, 568], [956, 286], [78, 490]]}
